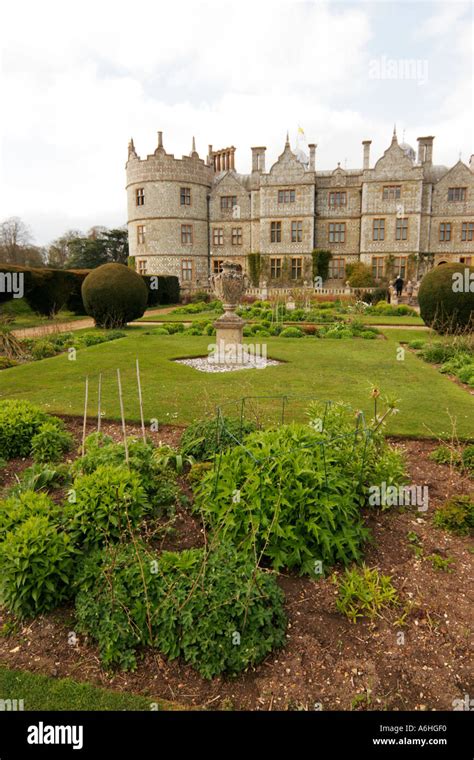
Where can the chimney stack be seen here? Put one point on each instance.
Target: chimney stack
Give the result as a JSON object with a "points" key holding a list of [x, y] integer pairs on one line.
{"points": [[425, 150], [312, 156], [160, 140], [258, 159], [366, 144], [471, 163]]}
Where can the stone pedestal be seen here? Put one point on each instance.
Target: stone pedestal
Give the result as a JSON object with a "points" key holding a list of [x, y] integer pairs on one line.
{"points": [[229, 334]]}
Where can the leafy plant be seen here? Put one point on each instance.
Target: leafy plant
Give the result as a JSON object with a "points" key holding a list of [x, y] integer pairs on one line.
{"points": [[36, 564], [216, 610], [43, 349], [17, 508], [19, 422], [292, 332], [40, 477], [445, 455], [364, 592], [51, 442], [441, 563], [205, 438], [456, 515], [105, 505]]}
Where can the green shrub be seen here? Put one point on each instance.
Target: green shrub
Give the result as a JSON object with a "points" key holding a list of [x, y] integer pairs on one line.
{"points": [[456, 515], [51, 443], [160, 331], [157, 478], [205, 438], [49, 290], [15, 510], [36, 565], [292, 332], [105, 505], [445, 455], [359, 275], [40, 477], [215, 610], [437, 353], [113, 295], [6, 363], [416, 344], [74, 300], [468, 458], [466, 373], [19, 422], [43, 349], [442, 306], [364, 592]]}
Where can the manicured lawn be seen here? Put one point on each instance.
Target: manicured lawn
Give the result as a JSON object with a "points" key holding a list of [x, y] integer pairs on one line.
{"points": [[202, 316], [176, 394], [43, 693], [373, 319], [25, 317]]}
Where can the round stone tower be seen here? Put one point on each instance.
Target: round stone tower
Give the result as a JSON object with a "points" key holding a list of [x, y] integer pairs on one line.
{"points": [[168, 216]]}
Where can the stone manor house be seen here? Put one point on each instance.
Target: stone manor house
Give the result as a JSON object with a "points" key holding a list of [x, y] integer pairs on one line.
{"points": [[403, 214]]}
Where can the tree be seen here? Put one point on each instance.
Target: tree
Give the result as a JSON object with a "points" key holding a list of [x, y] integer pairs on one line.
{"points": [[58, 250], [105, 247], [14, 236]]}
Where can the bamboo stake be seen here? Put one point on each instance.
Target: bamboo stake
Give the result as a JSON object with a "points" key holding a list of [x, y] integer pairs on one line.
{"points": [[141, 400], [98, 404], [123, 416], [85, 416]]}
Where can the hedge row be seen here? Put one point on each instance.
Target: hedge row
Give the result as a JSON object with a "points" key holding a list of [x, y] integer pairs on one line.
{"points": [[47, 291]]}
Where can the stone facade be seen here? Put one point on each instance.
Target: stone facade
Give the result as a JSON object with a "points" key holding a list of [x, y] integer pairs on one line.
{"points": [[186, 216]]}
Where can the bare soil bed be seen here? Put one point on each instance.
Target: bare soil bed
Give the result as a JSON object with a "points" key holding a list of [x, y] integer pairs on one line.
{"points": [[328, 662]]}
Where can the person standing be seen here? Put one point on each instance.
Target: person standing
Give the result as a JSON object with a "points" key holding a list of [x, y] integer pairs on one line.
{"points": [[398, 284]]}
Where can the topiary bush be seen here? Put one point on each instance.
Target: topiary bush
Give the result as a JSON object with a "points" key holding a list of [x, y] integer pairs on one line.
{"points": [[36, 566], [49, 290], [51, 442], [214, 609], [446, 304], [19, 422], [105, 505], [205, 438], [113, 295]]}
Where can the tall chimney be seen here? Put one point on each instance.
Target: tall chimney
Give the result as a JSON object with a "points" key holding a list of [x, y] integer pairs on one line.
{"points": [[471, 163], [258, 159], [425, 150], [366, 144], [312, 156]]}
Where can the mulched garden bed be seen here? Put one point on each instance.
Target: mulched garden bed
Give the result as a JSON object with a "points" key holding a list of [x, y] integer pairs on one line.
{"points": [[328, 663]]}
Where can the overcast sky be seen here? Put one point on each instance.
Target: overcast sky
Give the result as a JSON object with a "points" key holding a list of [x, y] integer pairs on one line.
{"points": [[79, 79]]}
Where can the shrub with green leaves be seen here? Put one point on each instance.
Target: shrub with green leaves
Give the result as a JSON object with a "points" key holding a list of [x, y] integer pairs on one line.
{"points": [[294, 493], [363, 592], [468, 458], [51, 442], [105, 505], [205, 438], [41, 477], [445, 455], [15, 509], [44, 349], [157, 478], [36, 566], [215, 610], [292, 332], [456, 515], [19, 422], [416, 344], [438, 353]]}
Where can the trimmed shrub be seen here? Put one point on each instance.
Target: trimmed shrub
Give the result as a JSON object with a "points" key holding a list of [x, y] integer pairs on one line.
{"points": [[292, 332], [74, 300], [216, 610], [113, 295], [49, 291], [19, 422], [359, 275], [36, 565], [205, 438], [443, 305], [51, 442]]}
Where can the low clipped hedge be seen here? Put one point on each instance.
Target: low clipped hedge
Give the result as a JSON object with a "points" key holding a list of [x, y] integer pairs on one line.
{"points": [[113, 295], [443, 306]]}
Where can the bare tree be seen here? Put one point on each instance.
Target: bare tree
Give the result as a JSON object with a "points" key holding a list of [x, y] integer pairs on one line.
{"points": [[58, 250], [14, 236]]}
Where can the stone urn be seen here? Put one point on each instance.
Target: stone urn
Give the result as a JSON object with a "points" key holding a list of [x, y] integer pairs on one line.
{"points": [[229, 286]]}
